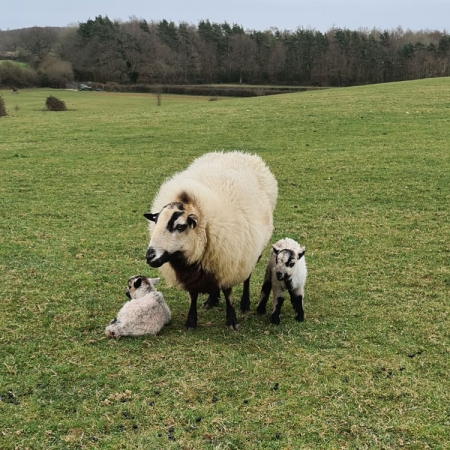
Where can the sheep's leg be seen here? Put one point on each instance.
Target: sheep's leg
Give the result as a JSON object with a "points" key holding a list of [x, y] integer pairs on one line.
{"points": [[231, 313], [265, 292], [297, 304], [245, 299], [191, 321], [278, 301], [263, 297], [212, 300]]}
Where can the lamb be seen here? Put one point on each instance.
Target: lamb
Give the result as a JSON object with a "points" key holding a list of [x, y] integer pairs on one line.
{"points": [[145, 313], [209, 226], [286, 270]]}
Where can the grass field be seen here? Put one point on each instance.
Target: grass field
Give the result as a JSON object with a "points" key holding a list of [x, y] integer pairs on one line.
{"points": [[364, 183], [21, 64]]}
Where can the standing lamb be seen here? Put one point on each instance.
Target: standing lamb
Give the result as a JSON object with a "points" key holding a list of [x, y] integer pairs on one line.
{"points": [[145, 313], [210, 225], [286, 270]]}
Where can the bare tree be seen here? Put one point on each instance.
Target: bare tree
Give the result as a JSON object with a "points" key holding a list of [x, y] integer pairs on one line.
{"points": [[276, 61], [241, 57], [38, 42], [209, 63]]}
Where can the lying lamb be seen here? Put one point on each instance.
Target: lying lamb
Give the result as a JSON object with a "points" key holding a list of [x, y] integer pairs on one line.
{"points": [[286, 270], [145, 313]]}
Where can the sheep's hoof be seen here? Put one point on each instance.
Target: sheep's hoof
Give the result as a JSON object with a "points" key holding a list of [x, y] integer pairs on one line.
{"points": [[245, 308], [275, 319], [232, 323], [300, 318], [260, 311], [245, 304], [112, 334], [212, 300], [190, 324]]}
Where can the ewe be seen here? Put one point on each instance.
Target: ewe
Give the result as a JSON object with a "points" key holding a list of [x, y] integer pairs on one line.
{"points": [[209, 225]]}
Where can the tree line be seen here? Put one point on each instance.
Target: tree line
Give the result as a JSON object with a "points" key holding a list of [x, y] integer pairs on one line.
{"points": [[137, 51]]}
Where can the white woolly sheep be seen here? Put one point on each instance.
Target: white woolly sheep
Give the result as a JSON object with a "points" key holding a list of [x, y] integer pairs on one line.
{"points": [[286, 270], [209, 226], [145, 313]]}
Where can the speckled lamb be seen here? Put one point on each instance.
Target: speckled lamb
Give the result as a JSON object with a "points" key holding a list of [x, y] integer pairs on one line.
{"points": [[145, 313], [286, 270]]}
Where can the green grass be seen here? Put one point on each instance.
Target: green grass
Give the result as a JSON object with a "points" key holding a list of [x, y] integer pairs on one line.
{"points": [[21, 64], [364, 183]]}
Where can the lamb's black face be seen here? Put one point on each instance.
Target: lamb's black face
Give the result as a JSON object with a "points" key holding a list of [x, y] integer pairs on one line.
{"points": [[284, 264], [134, 283]]}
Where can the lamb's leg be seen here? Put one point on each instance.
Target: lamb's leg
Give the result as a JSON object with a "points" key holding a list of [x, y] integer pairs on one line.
{"points": [[265, 293], [191, 321], [231, 313], [277, 304], [297, 304], [245, 299], [212, 300]]}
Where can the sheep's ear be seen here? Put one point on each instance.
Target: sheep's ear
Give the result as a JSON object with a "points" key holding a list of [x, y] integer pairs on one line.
{"points": [[301, 253], [192, 220], [153, 217], [275, 249], [137, 283], [155, 280]]}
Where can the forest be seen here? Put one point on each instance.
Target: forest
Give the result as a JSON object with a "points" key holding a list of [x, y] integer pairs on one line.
{"points": [[163, 53]]}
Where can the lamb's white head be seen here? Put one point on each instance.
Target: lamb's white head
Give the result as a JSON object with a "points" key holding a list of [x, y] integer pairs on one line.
{"points": [[175, 235], [138, 286], [285, 261]]}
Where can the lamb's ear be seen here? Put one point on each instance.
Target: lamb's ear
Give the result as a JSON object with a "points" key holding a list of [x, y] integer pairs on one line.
{"points": [[275, 249], [137, 283], [192, 220], [301, 253], [155, 280], [153, 217]]}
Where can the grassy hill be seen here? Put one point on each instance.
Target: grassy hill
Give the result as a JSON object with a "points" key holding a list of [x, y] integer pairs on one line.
{"points": [[364, 183]]}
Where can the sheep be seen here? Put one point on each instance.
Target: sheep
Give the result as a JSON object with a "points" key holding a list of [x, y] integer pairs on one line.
{"points": [[286, 269], [145, 313], [209, 226]]}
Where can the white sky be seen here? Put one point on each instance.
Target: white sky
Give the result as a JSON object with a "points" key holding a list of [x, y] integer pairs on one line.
{"points": [[251, 14]]}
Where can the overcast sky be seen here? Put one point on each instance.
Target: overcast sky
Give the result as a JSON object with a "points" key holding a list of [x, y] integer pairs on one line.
{"points": [[251, 14]]}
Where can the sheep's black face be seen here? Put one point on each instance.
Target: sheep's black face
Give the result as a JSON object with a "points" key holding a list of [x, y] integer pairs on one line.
{"points": [[173, 235], [284, 264], [153, 260]]}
